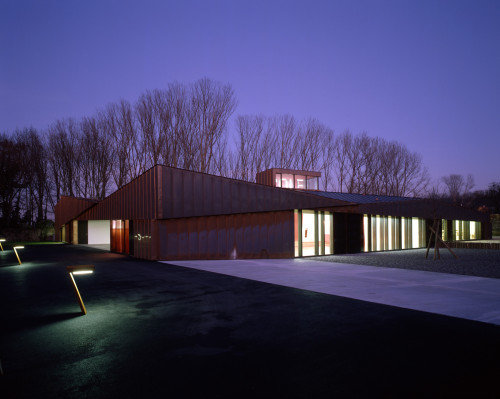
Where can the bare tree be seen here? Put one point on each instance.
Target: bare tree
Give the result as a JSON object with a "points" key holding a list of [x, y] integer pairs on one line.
{"points": [[457, 186], [212, 104], [343, 144], [176, 119], [327, 159], [150, 143], [249, 130], [309, 143], [355, 163], [284, 129], [63, 137], [121, 123], [95, 159]]}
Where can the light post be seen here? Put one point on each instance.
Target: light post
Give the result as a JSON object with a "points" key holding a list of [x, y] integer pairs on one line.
{"points": [[77, 270], [15, 250]]}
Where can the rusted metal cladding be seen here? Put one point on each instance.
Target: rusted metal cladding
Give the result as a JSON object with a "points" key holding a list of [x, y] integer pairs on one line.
{"points": [[240, 236], [67, 209], [183, 193], [142, 239], [266, 177], [145, 234], [136, 200]]}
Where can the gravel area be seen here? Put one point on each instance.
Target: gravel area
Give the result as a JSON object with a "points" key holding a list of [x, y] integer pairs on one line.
{"points": [[470, 262]]}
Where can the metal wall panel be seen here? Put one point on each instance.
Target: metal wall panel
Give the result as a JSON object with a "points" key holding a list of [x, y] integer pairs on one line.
{"points": [[83, 232], [67, 209], [187, 194], [136, 200], [256, 235], [143, 240]]}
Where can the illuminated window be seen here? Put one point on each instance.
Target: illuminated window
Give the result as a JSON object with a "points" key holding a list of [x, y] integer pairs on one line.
{"points": [[415, 233], [313, 233], [390, 233], [278, 180], [328, 233], [459, 229], [321, 232], [403, 233], [300, 182], [296, 232], [287, 181], [308, 233], [366, 233], [385, 233], [472, 230], [444, 230], [377, 224]]}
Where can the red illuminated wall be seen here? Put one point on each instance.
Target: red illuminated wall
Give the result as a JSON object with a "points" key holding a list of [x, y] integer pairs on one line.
{"points": [[120, 236]]}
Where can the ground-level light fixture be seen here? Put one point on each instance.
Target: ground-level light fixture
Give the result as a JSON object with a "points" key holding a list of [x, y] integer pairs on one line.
{"points": [[77, 270], [2, 240], [15, 251]]}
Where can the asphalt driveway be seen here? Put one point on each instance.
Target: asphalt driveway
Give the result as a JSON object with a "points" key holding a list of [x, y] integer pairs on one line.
{"points": [[157, 330]]}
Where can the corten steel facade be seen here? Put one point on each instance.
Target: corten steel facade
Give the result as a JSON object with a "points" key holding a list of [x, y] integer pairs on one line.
{"points": [[169, 213], [65, 211]]}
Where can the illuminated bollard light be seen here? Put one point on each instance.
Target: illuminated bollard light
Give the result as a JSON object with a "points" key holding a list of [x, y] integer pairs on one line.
{"points": [[2, 240], [15, 250], [77, 270]]}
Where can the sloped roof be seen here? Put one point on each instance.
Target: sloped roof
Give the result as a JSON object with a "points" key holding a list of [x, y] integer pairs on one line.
{"points": [[361, 198], [68, 208]]}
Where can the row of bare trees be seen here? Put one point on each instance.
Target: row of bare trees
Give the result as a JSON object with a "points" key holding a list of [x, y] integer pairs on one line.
{"points": [[281, 142], [186, 126], [349, 163]]}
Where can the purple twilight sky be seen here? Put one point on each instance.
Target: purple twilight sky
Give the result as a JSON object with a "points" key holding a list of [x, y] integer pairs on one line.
{"points": [[422, 72]]}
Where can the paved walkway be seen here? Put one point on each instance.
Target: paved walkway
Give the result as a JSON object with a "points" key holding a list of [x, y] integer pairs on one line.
{"points": [[467, 297]]}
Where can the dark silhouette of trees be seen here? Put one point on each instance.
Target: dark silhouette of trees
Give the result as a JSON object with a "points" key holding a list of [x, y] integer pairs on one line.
{"points": [[13, 180], [63, 157], [122, 129], [24, 187], [458, 186]]}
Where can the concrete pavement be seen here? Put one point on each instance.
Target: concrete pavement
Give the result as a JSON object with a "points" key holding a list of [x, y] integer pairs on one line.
{"points": [[467, 297]]}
